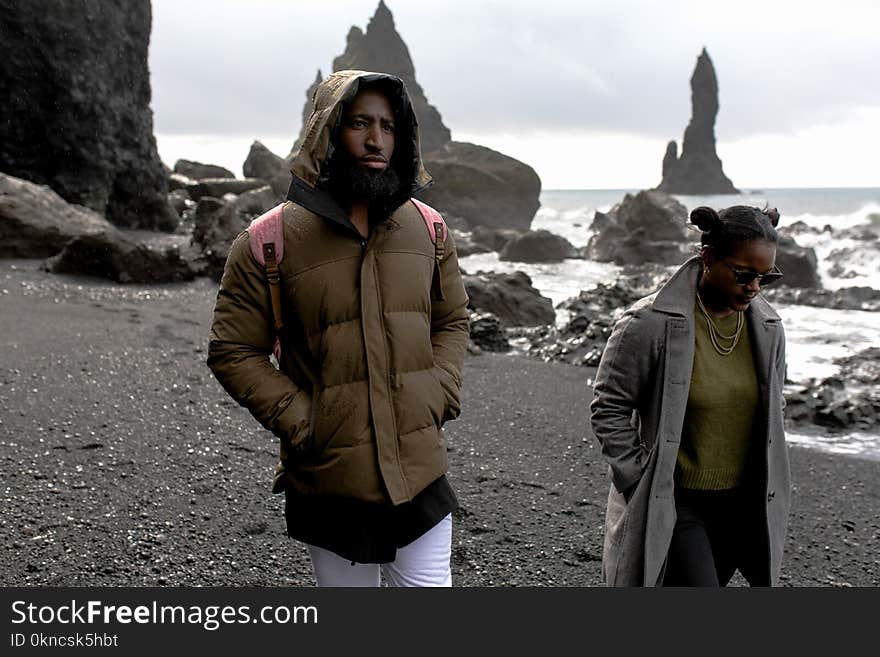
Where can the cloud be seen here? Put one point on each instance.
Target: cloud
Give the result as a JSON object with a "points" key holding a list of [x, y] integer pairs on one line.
{"points": [[505, 68]]}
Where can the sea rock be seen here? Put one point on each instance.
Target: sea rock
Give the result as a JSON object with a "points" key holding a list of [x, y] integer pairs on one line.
{"points": [[179, 181], [538, 246], [670, 159], [645, 227], [218, 187], [76, 107], [799, 227], [487, 333], [200, 171], [264, 164], [845, 298], [797, 263], [216, 224], [253, 203], [847, 262], [494, 238], [381, 48], [485, 187], [698, 170], [471, 182], [115, 256], [465, 245], [510, 297], [35, 222], [849, 401], [181, 201], [592, 315]]}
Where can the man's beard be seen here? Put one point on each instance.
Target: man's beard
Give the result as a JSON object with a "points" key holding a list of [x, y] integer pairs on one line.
{"points": [[351, 182]]}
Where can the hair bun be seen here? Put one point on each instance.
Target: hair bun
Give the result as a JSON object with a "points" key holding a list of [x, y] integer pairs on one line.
{"points": [[772, 215], [704, 218]]}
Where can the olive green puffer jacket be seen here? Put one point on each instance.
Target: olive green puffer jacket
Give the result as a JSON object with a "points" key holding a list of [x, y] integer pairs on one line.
{"points": [[371, 359]]}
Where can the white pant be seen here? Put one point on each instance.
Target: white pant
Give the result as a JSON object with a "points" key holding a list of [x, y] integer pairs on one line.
{"points": [[424, 562]]}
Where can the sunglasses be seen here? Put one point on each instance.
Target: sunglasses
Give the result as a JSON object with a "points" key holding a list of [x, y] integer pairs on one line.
{"points": [[744, 276]]}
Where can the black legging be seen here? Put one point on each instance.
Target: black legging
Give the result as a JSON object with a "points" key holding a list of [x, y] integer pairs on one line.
{"points": [[715, 533]]}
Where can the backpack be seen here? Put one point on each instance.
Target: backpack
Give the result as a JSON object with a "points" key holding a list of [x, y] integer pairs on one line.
{"points": [[267, 245]]}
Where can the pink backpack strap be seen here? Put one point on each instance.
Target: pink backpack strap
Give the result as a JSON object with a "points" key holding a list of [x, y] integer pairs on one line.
{"points": [[267, 229], [431, 218], [267, 244], [438, 232]]}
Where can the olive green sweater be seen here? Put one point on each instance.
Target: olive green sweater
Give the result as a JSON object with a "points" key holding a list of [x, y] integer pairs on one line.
{"points": [[721, 408]]}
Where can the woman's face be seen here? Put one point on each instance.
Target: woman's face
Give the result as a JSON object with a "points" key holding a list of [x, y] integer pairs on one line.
{"points": [[721, 291]]}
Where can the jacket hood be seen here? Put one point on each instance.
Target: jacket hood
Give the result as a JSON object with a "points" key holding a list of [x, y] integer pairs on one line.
{"points": [[310, 169]]}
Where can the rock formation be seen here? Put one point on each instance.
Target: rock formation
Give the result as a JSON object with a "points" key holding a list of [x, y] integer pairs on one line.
{"points": [[382, 49], [798, 264], [199, 170], [482, 186], [510, 297], [698, 170], [76, 107], [647, 227], [118, 257], [36, 223], [471, 183], [487, 334], [538, 246]]}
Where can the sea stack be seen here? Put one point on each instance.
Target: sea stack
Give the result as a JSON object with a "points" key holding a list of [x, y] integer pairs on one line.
{"points": [[698, 170], [382, 49], [76, 107], [473, 185]]}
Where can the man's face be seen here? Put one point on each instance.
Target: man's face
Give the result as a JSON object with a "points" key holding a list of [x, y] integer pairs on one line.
{"points": [[362, 169], [367, 133]]}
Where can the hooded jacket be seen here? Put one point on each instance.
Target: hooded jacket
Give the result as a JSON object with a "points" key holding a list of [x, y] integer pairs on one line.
{"points": [[371, 360], [639, 401]]}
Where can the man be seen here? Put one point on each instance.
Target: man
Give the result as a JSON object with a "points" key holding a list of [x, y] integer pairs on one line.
{"points": [[375, 330]]}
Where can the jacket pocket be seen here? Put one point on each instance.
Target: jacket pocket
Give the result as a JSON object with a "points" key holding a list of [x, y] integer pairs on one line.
{"points": [[450, 394]]}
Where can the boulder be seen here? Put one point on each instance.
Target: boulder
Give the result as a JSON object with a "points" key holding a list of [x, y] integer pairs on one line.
{"points": [[494, 238], [487, 333], [538, 246], [797, 263], [510, 297], [200, 171], [484, 186], [180, 200], [253, 203], [35, 222], [218, 187], [845, 298], [76, 107], [216, 224], [465, 244], [115, 256], [262, 163], [846, 402], [179, 181], [698, 170], [646, 227]]}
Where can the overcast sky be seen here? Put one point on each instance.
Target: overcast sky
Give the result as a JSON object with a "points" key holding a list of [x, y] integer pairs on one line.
{"points": [[586, 92]]}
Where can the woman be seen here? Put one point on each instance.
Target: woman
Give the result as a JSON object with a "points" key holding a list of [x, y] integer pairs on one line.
{"points": [[688, 408]]}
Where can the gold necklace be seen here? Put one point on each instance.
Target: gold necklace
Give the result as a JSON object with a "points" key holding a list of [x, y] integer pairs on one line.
{"points": [[715, 336]]}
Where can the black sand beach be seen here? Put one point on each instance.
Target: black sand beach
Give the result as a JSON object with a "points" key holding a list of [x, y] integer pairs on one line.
{"points": [[125, 463]]}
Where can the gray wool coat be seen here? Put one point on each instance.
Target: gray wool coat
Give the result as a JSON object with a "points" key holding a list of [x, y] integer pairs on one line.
{"points": [[637, 414]]}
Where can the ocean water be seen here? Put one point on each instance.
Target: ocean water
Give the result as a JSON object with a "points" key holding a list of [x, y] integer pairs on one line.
{"points": [[815, 336]]}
